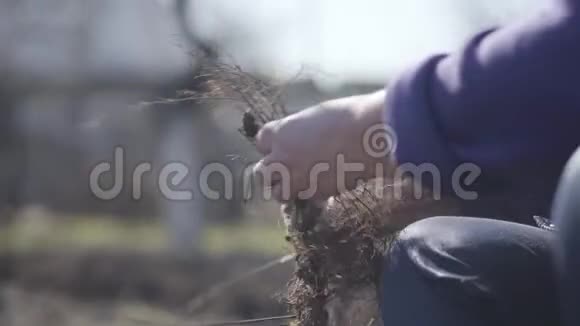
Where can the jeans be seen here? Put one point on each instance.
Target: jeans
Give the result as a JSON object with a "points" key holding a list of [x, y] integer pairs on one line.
{"points": [[460, 271]]}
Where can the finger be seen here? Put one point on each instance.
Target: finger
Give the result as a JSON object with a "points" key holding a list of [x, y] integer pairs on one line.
{"points": [[275, 178], [264, 138], [271, 182], [263, 171], [263, 168]]}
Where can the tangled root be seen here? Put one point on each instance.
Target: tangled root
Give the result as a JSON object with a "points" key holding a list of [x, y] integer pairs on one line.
{"points": [[340, 256]]}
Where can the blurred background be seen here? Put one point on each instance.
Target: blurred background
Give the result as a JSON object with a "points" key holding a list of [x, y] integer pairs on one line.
{"points": [[75, 75]]}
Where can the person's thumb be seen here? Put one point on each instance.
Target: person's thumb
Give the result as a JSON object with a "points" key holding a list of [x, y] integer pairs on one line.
{"points": [[265, 138], [275, 178]]}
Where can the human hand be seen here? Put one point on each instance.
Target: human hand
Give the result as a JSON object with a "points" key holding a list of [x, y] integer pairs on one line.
{"points": [[310, 154]]}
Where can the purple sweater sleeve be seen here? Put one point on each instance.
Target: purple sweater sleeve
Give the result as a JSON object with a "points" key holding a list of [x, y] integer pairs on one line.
{"points": [[509, 101]]}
